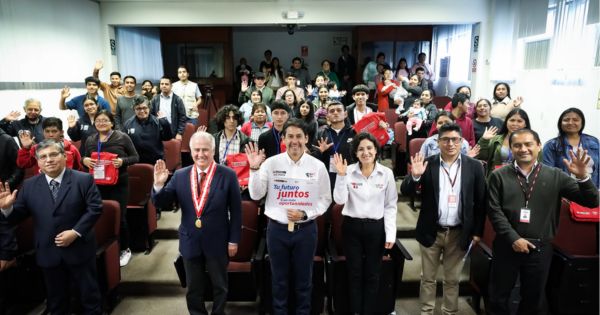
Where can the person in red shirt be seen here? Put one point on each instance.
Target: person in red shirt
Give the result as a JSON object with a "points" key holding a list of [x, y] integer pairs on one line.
{"points": [[460, 107], [53, 129], [384, 88]]}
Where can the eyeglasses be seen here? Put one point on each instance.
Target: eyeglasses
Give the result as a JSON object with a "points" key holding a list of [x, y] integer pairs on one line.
{"points": [[102, 121], [139, 109], [447, 140], [52, 155]]}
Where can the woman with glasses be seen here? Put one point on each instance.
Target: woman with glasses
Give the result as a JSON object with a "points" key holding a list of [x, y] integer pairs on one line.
{"points": [[116, 142], [147, 132]]}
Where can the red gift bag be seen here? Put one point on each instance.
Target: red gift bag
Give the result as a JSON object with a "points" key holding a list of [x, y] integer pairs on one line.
{"points": [[239, 163], [370, 124], [584, 214], [105, 172]]}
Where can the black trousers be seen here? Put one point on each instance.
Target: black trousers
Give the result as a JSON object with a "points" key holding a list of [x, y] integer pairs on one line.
{"points": [[195, 271], [58, 284], [533, 270], [364, 242]]}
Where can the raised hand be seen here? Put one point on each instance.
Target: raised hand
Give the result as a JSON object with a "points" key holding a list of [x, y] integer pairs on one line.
{"points": [[474, 151], [202, 129], [341, 165], [161, 173], [489, 133], [65, 92], [418, 165], [578, 164], [99, 65], [323, 145], [72, 121], [255, 156], [6, 198], [26, 140], [12, 116], [244, 86], [309, 89], [517, 101]]}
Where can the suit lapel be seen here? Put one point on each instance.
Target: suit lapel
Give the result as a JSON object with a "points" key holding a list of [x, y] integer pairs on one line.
{"points": [[65, 186], [435, 173]]}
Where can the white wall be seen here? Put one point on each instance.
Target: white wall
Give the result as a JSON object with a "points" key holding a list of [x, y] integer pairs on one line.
{"points": [[251, 43], [48, 41]]}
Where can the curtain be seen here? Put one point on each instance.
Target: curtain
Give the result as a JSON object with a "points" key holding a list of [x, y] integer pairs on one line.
{"points": [[451, 49], [139, 52]]}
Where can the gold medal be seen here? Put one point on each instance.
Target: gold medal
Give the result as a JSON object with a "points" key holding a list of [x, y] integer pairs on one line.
{"points": [[198, 223]]}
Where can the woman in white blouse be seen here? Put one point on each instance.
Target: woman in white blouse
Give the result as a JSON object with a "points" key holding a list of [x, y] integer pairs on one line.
{"points": [[368, 192]]}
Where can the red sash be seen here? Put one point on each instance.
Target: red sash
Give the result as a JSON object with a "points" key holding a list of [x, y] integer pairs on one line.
{"points": [[200, 201]]}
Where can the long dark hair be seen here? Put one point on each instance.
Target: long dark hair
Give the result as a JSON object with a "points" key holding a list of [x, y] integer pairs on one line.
{"points": [[561, 133], [360, 137], [277, 69], [496, 86], [310, 117], [516, 111], [405, 67]]}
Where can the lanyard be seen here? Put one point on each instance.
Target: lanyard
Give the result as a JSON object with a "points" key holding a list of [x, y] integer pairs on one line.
{"points": [[522, 181], [227, 146], [336, 145], [452, 181], [100, 142], [277, 139]]}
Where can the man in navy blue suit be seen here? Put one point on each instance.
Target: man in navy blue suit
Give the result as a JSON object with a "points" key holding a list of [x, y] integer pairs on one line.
{"points": [[65, 205], [211, 223]]}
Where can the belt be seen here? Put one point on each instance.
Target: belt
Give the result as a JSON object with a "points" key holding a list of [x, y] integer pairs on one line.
{"points": [[365, 220], [448, 228], [297, 226]]}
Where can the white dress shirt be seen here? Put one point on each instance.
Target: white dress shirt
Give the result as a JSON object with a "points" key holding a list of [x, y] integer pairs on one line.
{"points": [[282, 166], [372, 197], [447, 216], [165, 105]]}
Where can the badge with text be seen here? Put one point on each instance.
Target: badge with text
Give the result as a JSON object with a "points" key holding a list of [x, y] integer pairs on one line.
{"points": [[332, 168], [291, 193], [452, 202], [525, 215]]}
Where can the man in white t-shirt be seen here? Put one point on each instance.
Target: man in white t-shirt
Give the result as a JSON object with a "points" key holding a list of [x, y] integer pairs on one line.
{"points": [[189, 93]]}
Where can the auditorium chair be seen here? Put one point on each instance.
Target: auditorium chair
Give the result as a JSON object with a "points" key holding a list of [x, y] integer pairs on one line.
{"points": [[186, 158], [318, 276], [399, 149], [573, 282], [141, 213], [202, 117], [337, 277], [77, 144], [481, 263], [172, 155], [107, 230], [441, 101], [243, 270]]}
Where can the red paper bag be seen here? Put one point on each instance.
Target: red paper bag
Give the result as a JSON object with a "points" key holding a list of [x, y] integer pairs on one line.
{"points": [[370, 124], [105, 172], [239, 163], [584, 214]]}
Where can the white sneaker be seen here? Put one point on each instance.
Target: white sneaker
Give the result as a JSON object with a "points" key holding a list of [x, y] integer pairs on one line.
{"points": [[124, 257]]}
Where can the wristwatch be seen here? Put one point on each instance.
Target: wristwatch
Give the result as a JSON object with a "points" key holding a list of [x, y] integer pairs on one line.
{"points": [[304, 216]]}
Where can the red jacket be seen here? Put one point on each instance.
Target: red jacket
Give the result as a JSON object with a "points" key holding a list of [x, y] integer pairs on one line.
{"points": [[26, 158]]}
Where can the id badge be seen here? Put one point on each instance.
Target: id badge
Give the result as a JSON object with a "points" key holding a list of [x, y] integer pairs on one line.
{"points": [[452, 202], [332, 168], [525, 215], [99, 171]]}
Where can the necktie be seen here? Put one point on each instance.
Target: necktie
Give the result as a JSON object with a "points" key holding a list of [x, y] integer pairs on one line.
{"points": [[54, 185], [201, 182]]}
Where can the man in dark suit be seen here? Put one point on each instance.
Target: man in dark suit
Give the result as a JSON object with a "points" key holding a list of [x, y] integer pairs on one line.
{"points": [[171, 106], [65, 205], [453, 205], [210, 219]]}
